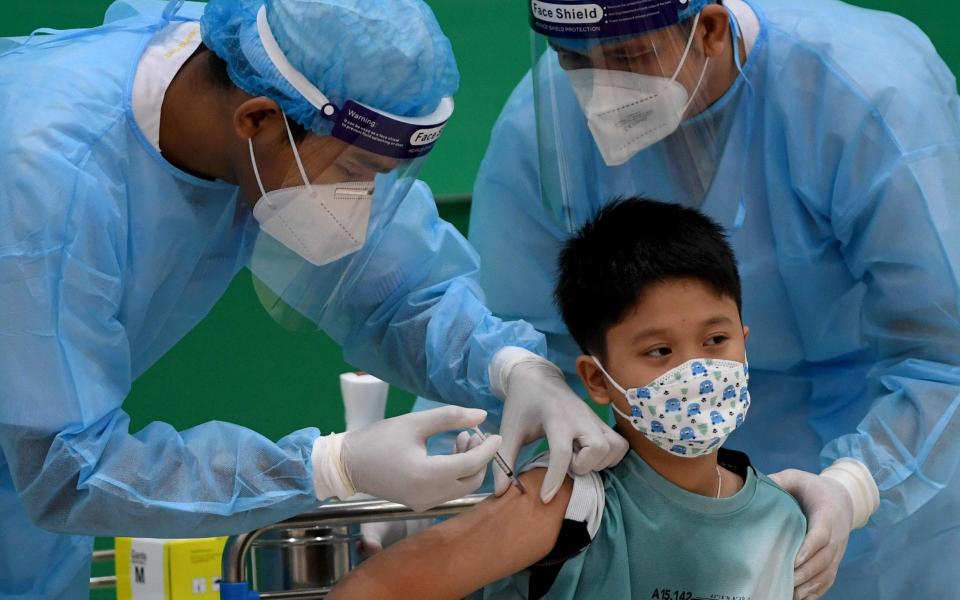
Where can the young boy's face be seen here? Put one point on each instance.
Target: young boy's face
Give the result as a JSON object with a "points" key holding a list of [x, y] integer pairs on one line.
{"points": [[672, 322]]}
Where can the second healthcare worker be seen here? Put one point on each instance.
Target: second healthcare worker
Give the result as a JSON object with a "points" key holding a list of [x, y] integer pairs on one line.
{"points": [[826, 138], [144, 163]]}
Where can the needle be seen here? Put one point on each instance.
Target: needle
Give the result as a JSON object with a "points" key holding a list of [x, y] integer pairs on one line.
{"points": [[502, 464]]}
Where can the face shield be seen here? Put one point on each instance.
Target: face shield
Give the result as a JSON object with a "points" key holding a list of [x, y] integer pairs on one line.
{"points": [[629, 101], [331, 196]]}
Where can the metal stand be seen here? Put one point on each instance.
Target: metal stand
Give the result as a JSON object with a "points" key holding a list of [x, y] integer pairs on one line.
{"points": [[234, 586], [110, 581]]}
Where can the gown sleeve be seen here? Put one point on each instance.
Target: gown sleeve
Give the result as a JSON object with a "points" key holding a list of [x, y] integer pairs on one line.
{"points": [[896, 217], [416, 316], [902, 242], [65, 364]]}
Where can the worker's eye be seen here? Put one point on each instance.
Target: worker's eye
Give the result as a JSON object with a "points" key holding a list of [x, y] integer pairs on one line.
{"points": [[353, 174], [659, 352], [716, 340], [571, 61], [628, 57]]}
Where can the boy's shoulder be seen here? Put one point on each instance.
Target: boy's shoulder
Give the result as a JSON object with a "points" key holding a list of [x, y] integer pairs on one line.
{"points": [[767, 491], [780, 497], [586, 501], [612, 516], [591, 493]]}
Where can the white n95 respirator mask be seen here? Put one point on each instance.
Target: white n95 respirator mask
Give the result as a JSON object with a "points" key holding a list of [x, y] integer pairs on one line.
{"points": [[321, 223], [627, 112], [690, 410]]}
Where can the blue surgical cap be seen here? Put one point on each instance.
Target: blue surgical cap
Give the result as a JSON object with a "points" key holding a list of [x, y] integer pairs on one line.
{"points": [[388, 54]]}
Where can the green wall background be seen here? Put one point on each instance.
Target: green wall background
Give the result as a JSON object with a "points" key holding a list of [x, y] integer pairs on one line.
{"points": [[238, 365]]}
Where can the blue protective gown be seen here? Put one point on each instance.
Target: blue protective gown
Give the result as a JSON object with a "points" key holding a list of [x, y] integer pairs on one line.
{"points": [[839, 183], [108, 256]]}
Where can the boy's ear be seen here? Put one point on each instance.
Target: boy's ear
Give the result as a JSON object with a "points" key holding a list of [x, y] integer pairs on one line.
{"points": [[594, 379], [746, 332]]}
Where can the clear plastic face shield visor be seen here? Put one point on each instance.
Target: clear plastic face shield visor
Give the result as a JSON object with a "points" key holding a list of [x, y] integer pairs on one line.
{"points": [[326, 201], [632, 97]]}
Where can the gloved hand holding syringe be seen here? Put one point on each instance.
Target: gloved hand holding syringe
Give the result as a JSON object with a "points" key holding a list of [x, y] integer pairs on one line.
{"points": [[500, 462]]}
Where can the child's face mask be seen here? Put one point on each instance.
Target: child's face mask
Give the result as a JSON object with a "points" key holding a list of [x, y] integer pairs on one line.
{"points": [[691, 409]]}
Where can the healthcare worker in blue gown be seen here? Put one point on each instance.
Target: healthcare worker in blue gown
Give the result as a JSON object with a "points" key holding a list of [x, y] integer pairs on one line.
{"points": [[145, 162], [826, 138]]}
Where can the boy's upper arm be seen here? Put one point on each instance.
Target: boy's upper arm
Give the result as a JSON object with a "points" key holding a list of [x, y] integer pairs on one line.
{"points": [[518, 529], [495, 539]]}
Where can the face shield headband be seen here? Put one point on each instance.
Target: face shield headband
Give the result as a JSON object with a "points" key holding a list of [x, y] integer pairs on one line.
{"points": [[585, 24], [355, 123]]}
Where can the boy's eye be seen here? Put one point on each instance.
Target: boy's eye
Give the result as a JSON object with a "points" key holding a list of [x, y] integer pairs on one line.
{"points": [[715, 340], [659, 352]]}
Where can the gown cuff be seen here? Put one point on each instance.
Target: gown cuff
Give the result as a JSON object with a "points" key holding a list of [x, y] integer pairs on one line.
{"points": [[330, 479], [503, 363], [859, 483]]}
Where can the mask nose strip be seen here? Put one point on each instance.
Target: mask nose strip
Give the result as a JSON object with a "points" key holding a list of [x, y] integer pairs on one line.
{"points": [[346, 193]]}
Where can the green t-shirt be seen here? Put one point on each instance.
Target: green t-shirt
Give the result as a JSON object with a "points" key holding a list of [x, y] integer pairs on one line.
{"points": [[657, 541]]}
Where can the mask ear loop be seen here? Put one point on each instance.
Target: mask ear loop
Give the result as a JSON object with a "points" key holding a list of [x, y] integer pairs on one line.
{"points": [[296, 156], [296, 153], [607, 375], [683, 59], [686, 51], [693, 95], [256, 171], [614, 384]]}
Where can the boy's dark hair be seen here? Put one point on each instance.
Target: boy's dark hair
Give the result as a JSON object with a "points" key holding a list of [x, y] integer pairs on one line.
{"points": [[630, 245]]}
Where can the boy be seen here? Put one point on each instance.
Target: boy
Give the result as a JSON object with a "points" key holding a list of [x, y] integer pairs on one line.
{"points": [[651, 293]]}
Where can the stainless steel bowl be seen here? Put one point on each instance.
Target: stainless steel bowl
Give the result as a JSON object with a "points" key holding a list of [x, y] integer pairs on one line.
{"points": [[293, 559]]}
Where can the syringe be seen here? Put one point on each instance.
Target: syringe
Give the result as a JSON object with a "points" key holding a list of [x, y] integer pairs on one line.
{"points": [[503, 464]]}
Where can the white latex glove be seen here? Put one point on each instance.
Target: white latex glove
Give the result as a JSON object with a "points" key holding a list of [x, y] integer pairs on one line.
{"points": [[836, 502], [389, 460], [537, 403], [383, 534], [467, 441]]}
